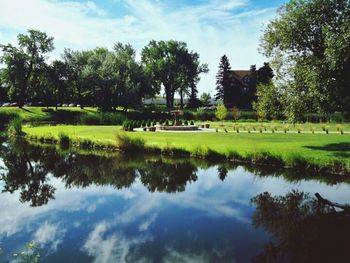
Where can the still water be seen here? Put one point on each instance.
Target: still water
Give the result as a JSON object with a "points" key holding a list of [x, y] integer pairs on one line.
{"points": [[83, 207]]}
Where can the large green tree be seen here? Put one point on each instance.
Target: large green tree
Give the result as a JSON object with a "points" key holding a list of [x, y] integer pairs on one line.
{"points": [[57, 78], [309, 43], [171, 65], [133, 82], [79, 84], [25, 64]]}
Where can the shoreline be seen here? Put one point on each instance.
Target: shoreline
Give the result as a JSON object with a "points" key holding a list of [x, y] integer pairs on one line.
{"points": [[297, 163]]}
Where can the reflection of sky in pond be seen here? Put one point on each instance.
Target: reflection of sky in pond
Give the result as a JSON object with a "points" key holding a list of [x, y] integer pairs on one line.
{"points": [[209, 222]]}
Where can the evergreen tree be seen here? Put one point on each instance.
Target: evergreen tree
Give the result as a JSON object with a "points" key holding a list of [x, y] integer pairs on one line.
{"points": [[265, 74], [222, 81]]}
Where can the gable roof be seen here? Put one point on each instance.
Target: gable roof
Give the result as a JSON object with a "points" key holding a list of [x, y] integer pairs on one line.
{"points": [[240, 73]]}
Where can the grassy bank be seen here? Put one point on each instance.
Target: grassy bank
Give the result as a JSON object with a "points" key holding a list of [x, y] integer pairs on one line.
{"points": [[321, 150]]}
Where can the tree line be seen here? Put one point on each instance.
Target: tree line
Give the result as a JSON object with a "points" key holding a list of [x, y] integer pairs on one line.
{"points": [[98, 77]]}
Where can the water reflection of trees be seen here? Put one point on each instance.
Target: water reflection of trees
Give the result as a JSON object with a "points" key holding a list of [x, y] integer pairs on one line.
{"points": [[27, 169], [25, 174], [162, 176], [303, 229]]}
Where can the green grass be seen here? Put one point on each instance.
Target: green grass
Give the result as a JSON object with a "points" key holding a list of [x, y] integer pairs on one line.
{"points": [[316, 148], [42, 113]]}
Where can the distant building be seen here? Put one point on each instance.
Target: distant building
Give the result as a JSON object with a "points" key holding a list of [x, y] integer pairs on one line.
{"points": [[154, 101], [241, 90]]}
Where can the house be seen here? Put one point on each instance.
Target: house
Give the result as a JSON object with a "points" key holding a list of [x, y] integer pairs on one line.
{"points": [[240, 89]]}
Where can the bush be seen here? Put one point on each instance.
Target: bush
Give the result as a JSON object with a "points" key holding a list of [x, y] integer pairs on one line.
{"points": [[85, 143], [265, 158], [296, 161], [207, 153], [7, 117], [63, 140], [126, 125], [186, 122], [126, 143], [15, 127], [192, 123], [103, 118]]}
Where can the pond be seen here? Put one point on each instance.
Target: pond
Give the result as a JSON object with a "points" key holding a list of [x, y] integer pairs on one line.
{"points": [[86, 207]]}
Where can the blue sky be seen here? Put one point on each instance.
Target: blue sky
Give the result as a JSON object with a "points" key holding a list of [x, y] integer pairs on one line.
{"points": [[211, 28]]}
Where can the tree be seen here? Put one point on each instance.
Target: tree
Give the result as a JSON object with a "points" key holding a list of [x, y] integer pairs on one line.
{"points": [[309, 43], [80, 87], [265, 74], [171, 65], [57, 76], [205, 98], [25, 64], [221, 112], [3, 86], [133, 82], [222, 80], [268, 102]]}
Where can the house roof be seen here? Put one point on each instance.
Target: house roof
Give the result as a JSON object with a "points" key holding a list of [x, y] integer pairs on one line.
{"points": [[240, 73]]}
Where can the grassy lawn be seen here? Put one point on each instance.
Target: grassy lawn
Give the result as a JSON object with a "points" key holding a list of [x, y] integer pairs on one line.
{"points": [[42, 113], [318, 148]]}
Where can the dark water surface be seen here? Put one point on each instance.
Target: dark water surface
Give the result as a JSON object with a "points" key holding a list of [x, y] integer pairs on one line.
{"points": [[80, 207]]}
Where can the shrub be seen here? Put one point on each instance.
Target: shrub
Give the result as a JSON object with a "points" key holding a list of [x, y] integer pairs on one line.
{"points": [[7, 117], [15, 127], [85, 143], [233, 155], [63, 140], [186, 122], [265, 158], [167, 122], [126, 124], [221, 112], [207, 153], [174, 151], [126, 143], [103, 118], [149, 123], [192, 123], [296, 161], [143, 124], [236, 113]]}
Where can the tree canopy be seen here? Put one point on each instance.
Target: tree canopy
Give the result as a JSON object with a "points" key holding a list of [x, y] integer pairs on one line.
{"points": [[171, 65], [309, 44], [26, 63]]}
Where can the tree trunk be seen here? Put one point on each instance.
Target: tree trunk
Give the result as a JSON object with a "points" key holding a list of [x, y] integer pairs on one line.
{"points": [[181, 100]]}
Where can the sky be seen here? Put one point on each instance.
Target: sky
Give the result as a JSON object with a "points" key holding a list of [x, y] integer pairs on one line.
{"points": [[211, 28]]}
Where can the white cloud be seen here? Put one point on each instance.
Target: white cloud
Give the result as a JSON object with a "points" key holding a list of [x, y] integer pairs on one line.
{"points": [[147, 223], [173, 255], [213, 28], [49, 234], [112, 248]]}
